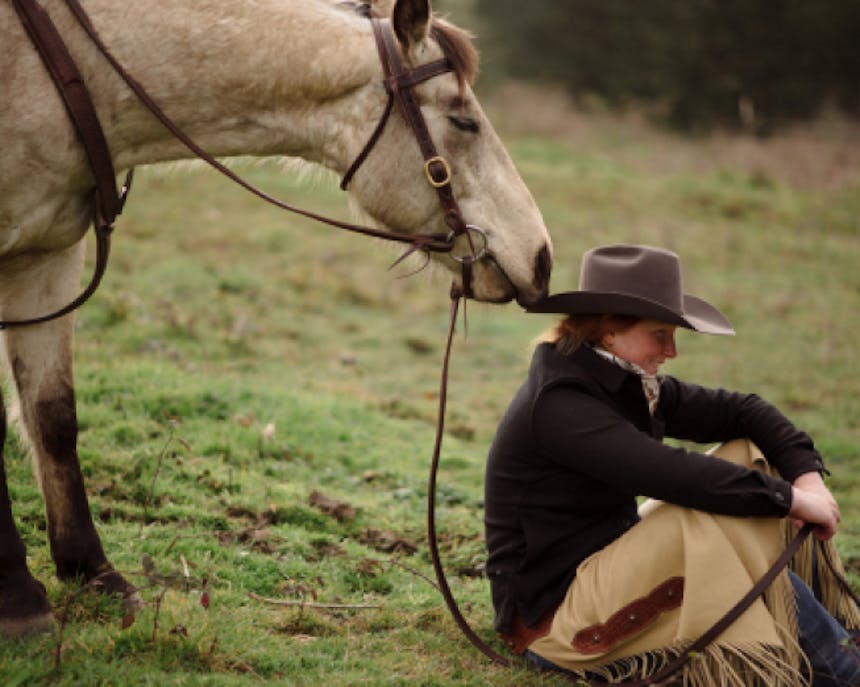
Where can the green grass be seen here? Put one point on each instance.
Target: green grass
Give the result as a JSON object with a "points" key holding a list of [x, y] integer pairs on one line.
{"points": [[237, 359]]}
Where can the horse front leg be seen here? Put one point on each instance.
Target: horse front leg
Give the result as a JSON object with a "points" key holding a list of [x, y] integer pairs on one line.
{"points": [[24, 607], [40, 358]]}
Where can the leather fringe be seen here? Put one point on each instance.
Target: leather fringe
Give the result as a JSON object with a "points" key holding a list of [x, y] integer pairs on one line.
{"points": [[811, 555], [725, 665]]}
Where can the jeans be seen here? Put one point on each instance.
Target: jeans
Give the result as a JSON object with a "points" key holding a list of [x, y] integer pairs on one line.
{"points": [[833, 656]]}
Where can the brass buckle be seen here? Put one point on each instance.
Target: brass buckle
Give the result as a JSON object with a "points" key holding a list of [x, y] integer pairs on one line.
{"points": [[441, 160]]}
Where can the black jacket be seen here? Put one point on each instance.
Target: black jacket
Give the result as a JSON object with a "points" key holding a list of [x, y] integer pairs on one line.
{"points": [[577, 445]]}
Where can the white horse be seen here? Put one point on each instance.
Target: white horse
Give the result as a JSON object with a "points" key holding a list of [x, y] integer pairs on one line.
{"points": [[270, 77]]}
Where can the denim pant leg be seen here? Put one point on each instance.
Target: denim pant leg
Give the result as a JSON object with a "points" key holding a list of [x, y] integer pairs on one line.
{"points": [[545, 664], [541, 662], [834, 659]]}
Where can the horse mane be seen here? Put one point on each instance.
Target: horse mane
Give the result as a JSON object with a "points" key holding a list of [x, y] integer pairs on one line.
{"points": [[456, 43]]}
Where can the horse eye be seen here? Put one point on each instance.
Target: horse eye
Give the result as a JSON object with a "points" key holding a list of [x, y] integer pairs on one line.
{"points": [[464, 124]]}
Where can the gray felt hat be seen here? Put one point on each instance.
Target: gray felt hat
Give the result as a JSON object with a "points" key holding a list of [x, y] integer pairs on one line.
{"points": [[642, 281]]}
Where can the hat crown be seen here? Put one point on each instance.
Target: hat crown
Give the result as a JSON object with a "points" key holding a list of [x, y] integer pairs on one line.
{"points": [[640, 281], [644, 272]]}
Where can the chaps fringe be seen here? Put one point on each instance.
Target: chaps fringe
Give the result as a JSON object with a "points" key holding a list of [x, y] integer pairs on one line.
{"points": [[811, 557]]}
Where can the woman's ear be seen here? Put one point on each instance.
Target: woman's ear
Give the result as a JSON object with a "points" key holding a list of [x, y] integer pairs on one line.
{"points": [[411, 22]]}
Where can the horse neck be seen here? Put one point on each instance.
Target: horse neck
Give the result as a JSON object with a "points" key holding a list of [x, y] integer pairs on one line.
{"points": [[259, 77]]}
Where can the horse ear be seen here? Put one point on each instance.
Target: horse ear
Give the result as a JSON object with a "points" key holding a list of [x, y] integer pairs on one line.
{"points": [[411, 21]]}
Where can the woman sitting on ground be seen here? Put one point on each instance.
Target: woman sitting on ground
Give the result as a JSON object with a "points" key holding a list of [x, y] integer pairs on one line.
{"points": [[584, 581]]}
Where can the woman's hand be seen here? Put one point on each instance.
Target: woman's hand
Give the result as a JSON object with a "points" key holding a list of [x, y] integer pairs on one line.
{"points": [[813, 502]]}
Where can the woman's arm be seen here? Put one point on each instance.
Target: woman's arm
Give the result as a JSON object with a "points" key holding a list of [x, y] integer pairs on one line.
{"points": [[578, 432], [705, 415]]}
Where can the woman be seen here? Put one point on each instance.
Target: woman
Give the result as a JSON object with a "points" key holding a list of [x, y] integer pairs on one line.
{"points": [[581, 579]]}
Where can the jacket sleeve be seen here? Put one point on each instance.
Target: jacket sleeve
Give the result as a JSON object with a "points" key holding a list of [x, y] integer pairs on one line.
{"points": [[706, 415], [580, 432]]}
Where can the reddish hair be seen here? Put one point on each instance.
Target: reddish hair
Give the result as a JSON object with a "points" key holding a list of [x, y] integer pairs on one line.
{"points": [[575, 330]]}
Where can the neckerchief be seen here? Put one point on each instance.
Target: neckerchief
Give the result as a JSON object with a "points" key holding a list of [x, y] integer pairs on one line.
{"points": [[650, 383]]}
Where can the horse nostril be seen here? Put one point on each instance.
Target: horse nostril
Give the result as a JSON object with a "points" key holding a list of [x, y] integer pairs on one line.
{"points": [[543, 268]]}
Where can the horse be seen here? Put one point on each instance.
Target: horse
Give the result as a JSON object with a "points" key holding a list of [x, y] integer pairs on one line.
{"points": [[295, 78]]}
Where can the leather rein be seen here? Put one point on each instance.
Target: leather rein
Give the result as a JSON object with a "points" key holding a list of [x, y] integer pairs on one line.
{"points": [[108, 202]]}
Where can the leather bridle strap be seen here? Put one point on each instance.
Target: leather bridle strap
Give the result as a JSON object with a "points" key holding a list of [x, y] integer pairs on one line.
{"points": [[399, 82], [107, 202], [371, 143]]}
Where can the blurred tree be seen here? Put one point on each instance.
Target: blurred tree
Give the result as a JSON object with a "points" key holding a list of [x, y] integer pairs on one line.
{"points": [[753, 63]]}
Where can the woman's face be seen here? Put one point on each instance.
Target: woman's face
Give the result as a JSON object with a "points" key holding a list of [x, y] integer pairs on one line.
{"points": [[648, 344]]}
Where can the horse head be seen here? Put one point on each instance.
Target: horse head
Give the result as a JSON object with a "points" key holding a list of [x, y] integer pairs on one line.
{"points": [[392, 188]]}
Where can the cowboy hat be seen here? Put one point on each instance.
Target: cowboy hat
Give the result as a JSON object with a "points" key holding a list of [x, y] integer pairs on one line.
{"points": [[642, 281]]}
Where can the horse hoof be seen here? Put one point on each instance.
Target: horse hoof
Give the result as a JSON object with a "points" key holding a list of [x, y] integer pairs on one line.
{"points": [[111, 582], [42, 623], [24, 609], [132, 601]]}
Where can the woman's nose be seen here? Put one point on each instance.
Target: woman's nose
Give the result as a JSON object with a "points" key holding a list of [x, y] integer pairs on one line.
{"points": [[670, 349]]}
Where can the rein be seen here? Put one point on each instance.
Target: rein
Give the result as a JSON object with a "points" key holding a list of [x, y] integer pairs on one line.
{"points": [[108, 203]]}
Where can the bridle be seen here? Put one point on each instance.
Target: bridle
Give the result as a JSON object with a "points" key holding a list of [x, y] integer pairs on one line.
{"points": [[399, 82], [107, 202]]}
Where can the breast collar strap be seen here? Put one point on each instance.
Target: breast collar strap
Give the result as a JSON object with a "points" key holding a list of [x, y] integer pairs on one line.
{"points": [[107, 203]]}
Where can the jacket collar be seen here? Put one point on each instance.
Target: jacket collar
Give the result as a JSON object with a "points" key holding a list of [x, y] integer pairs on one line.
{"points": [[549, 367]]}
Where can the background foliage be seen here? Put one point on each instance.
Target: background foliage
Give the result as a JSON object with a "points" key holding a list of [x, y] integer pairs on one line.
{"points": [[696, 63]]}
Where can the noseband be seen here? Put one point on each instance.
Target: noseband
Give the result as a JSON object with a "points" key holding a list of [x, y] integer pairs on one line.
{"points": [[107, 202]]}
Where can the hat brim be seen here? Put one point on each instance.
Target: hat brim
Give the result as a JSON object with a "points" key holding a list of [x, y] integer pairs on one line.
{"points": [[698, 315]]}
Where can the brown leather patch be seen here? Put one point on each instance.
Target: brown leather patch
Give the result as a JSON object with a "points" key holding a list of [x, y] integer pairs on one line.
{"points": [[521, 635], [631, 619]]}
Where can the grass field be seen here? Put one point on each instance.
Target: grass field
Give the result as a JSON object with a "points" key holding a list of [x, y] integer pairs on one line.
{"points": [[257, 396]]}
